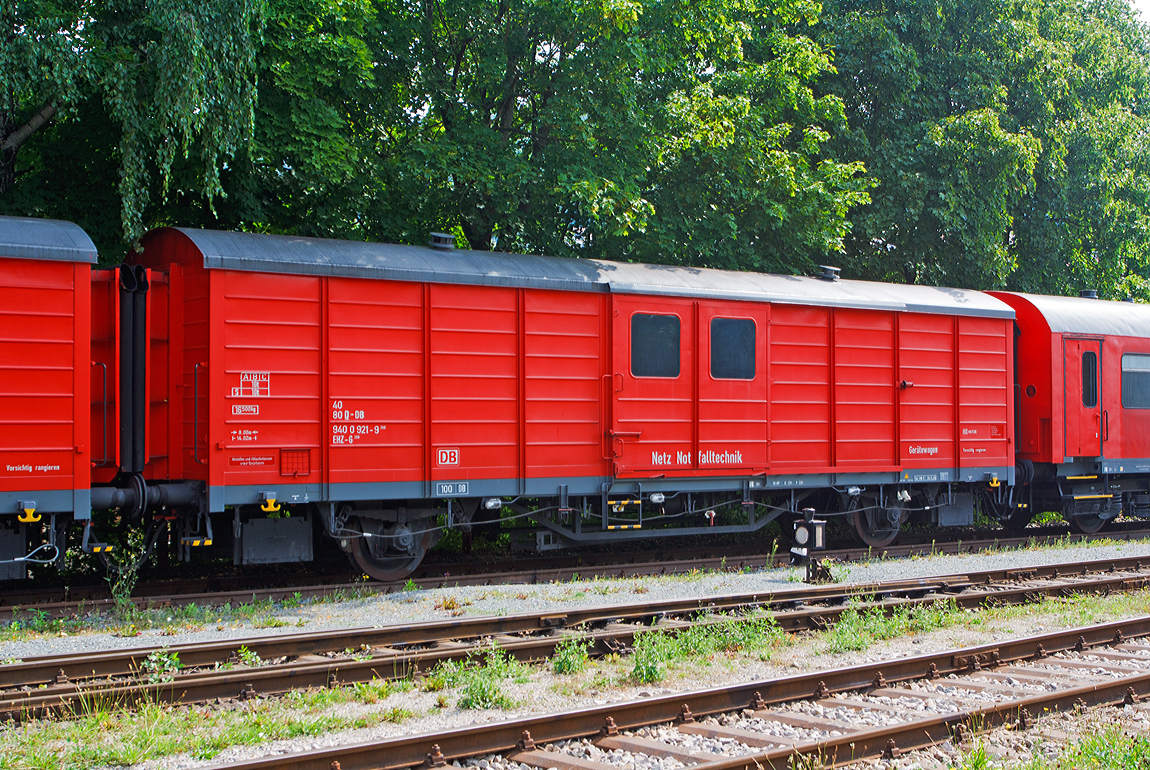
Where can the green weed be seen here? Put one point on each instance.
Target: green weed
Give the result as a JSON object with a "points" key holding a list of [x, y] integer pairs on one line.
{"points": [[857, 630], [1107, 748], [249, 657], [570, 656], [654, 651], [975, 759], [161, 666], [479, 679]]}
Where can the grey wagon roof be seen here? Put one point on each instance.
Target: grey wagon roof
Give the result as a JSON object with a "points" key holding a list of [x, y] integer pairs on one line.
{"points": [[319, 256], [28, 238], [1075, 315]]}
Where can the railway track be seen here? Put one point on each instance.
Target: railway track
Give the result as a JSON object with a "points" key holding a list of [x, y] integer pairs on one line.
{"points": [[63, 602], [882, 709], [57, 684]]}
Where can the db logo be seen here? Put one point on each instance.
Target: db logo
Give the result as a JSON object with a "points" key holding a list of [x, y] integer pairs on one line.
{"points": [[446, 457]]}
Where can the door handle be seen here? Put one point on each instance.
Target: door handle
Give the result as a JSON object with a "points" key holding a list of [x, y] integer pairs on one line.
{"points": [[619, 382], [1106, 425], [617, 437]]}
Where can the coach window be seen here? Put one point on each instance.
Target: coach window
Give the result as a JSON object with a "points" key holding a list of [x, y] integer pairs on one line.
{"points": [[732, 349], [1136, 381], [654, 345], [1089, 379]]}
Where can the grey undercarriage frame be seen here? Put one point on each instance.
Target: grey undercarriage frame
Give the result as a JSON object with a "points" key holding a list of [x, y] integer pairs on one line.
{"points": [[629, 516]]}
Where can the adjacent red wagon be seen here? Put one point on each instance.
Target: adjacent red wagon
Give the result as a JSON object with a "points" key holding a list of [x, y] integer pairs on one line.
{"points": [[46, 370], [1083, 382]]}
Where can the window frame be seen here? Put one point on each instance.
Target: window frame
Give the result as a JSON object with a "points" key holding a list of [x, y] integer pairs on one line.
{"points": [[754, 349], [1123, 370], [678, 346], [1092, 357]]}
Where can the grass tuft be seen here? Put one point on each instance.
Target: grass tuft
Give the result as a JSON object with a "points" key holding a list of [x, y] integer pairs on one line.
{"points": [[857, 630], [654, 651]]}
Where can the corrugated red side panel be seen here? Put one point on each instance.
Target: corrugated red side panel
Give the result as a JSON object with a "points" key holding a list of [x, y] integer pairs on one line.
{"points": [[864, 389], [927, 416], [732, 413], [45, 375], [563, 379], [375, 381], [800, 392], [266, 391], [474, 384], [985, 380]]}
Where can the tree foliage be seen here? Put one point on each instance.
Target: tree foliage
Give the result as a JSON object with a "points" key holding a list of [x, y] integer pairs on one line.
{"points": [[981, 143], [172, 77], [1007, 137], [665, 131]]}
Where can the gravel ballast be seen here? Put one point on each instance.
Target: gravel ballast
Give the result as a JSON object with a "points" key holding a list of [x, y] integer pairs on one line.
{"points": [[546, 692], [413, 606]]}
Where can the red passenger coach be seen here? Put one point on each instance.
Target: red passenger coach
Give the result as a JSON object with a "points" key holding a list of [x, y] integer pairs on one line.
{"points": [[44, 392], [381, 393], [1083, 379]]}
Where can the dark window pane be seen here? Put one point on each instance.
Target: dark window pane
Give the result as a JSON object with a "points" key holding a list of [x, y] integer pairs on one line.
{"points": [[1136, 381], [732, 349], [654, 345], [1089, 379]]}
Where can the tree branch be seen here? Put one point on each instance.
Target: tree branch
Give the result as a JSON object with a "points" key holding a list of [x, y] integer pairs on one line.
{"points": [[13, 141]]}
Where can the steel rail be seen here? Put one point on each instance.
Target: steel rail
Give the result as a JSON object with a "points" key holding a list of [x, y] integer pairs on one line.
{"points": [[433, 643], [120, 662], [28, 601], [503, 737]]}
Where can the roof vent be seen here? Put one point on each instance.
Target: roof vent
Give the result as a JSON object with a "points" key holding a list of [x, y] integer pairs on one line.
{"points": [[1088, 294], [828, 273], [442, 241]]}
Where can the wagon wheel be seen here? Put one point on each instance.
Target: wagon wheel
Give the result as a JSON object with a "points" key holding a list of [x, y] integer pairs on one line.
{"points": [[876, 527], [390, 552], [1086, 524]]}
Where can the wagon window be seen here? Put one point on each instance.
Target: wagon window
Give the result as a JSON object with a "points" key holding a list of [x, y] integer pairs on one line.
{"points": [[1089, 379], [654, 345], [732, 348], [1136, 381]]}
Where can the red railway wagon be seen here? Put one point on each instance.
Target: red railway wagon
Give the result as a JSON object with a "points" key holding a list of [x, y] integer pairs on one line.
{"points": [[1083, 379], [383, 392], [44, 392]]}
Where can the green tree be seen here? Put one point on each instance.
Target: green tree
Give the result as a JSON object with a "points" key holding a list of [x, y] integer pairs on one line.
{"points": [[666, 130], [170, 78], [1006, 138]]}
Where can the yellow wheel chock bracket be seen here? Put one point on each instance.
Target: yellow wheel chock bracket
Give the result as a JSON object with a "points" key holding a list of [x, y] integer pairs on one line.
{"points": [[994, 482], [270, 505], [29, 515]]}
